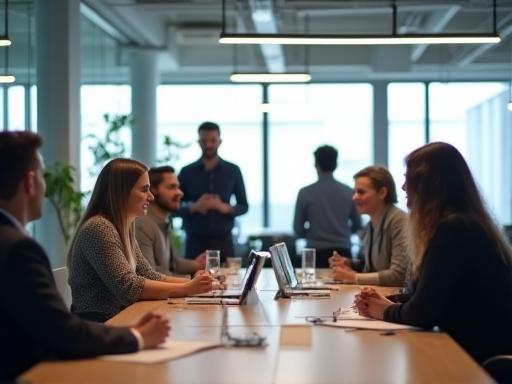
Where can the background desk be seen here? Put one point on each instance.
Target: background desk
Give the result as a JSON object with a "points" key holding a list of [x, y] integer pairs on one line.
{"points": [[334, 355]]}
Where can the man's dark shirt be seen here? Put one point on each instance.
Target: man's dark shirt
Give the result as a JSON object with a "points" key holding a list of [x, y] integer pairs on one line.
{"points": [[225, 180]]}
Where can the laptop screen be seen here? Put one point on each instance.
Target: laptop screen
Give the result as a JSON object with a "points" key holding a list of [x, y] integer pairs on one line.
{"points": [[256, 262], [286, 263], [282, 281]]}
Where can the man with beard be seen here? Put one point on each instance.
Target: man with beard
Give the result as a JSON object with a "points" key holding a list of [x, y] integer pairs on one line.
{"points": [[153, 230], [208, 185]]}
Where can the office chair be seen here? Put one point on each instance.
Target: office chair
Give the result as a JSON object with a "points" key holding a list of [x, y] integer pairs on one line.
{"points": [[500, 368], [61, 280]]}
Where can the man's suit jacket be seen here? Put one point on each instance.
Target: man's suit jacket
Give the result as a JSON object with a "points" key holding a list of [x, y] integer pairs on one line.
{"points": [[34, 321]]}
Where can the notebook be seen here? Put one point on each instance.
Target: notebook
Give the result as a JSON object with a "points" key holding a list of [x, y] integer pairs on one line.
{"points": [[286, 278], [235, 297]]}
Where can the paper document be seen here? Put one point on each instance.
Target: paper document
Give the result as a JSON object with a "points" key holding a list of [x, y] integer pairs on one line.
{"points": [[368, 324], [350, 318], [170, 350]]}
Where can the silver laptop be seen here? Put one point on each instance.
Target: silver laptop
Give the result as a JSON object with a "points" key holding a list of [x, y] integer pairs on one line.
{"points": [[286, 277], [255, 264]]}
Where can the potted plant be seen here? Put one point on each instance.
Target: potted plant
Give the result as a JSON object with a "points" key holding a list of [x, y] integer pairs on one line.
{"points": [[63, 196]]}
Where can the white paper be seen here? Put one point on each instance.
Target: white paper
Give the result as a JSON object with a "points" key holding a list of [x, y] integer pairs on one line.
{"points": [[169, 350], [368, 324]]}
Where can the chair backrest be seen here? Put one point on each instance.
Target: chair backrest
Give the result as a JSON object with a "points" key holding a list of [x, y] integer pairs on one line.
{"points": [[500, 368], [61, 280]]}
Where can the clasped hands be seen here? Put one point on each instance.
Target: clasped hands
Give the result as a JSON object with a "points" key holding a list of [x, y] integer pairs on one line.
{"points": [[371, 303], [209, 201]]}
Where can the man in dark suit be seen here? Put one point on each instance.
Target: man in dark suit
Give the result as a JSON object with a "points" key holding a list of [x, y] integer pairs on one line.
{"points": [[34, 320]]}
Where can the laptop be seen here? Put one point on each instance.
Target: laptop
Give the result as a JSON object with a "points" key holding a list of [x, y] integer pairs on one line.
{"points": [[255, 264], [286, 277]]}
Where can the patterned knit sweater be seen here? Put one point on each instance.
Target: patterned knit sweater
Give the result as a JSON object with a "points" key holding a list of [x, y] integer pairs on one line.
{"points": [[102, 280]]}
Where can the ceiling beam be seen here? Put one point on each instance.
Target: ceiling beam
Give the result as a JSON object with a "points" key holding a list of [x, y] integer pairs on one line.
{"points": [[436, 22], [264, 21], [469, 55]]}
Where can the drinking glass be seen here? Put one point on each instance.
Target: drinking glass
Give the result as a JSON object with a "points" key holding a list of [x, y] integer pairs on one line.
{"points": [[308, 264], [234, 264], [213, 262]]}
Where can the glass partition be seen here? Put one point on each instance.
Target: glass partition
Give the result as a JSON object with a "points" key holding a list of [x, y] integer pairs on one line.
{"points": [[303, 117], [180, 110]]}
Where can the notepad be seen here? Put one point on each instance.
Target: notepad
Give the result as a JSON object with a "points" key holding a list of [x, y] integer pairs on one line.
{"points": [[368, 324], [169, 350]]}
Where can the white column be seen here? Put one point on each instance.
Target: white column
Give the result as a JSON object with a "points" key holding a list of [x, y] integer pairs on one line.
{"points": [[58, 101], [144, 79]]}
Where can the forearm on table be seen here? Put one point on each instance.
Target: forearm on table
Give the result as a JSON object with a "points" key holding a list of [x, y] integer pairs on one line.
{"points": [[161, 290]]}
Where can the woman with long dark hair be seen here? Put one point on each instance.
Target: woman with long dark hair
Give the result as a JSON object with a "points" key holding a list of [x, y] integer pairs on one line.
{"points": [[461, 264]]}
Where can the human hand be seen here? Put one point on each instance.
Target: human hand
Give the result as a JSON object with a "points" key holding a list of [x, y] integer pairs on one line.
{"points": [[200, 261], [370, 292], [344, 274], [154, 329], [202, 282], [371, 303], [336, 260], [221, 206], [203, 204]]}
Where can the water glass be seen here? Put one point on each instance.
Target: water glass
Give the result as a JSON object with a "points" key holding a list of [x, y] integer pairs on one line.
{"points": [[308, 264], [213, 262], [234, 264]]}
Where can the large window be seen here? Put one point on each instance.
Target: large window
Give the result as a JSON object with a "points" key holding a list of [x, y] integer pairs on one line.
{"points": [[303, 117], [16, 108], [406, 128], [473, 118], [180, 110], [96, 101]]}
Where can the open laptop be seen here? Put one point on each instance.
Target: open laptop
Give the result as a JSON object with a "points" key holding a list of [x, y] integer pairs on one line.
{"points": [[286, 277], [255, 264]]}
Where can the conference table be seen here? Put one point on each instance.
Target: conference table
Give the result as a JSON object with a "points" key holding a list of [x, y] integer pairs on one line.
{"points": [[328, 355]]}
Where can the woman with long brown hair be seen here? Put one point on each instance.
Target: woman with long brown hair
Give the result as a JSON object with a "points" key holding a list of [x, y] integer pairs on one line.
{"points": [[461, 263], [107, 271]]}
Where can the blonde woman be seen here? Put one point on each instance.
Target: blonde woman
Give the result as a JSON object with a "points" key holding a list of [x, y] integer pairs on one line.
{"points": [[107, 271], [384, 238], [461, 262]]}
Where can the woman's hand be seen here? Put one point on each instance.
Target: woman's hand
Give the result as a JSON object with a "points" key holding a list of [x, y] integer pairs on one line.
{"points": [[371, 303], [344, 274], [199, 284], [336, 260], [154, 329]]}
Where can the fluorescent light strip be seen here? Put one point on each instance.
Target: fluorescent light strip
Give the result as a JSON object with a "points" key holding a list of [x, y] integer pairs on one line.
{"points": [[270, 77], [5, 41], [359, 39], [7, 79]]}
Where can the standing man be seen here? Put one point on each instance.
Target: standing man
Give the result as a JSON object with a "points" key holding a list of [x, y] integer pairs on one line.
{"points": [[153, 230], [325, 214], [208, 185], [35, 321]]}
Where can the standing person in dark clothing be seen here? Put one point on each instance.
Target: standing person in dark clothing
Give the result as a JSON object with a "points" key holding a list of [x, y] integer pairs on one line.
{"points": [[208, 185], [35, 321], [325, 214], [461, 264]]}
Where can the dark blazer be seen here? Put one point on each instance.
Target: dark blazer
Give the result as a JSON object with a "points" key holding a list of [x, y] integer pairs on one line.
{"points": [[465, 288], [34, 321]]}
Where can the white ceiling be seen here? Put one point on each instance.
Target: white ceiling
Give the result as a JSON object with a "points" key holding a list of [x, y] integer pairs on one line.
{"points": [[185, 35]]}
